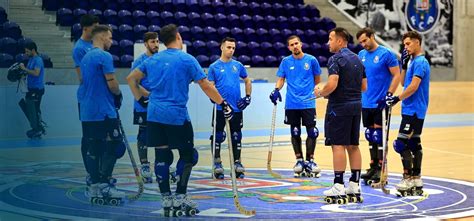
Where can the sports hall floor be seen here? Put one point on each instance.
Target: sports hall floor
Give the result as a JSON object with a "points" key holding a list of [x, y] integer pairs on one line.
{"points": [[447, 139]]}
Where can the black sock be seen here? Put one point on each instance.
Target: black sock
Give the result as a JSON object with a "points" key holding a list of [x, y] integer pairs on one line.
{"points": [[339, 177], [355, 176]]}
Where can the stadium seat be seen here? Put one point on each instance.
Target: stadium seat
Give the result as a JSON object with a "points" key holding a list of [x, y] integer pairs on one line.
{"points": [[223, 32], [153, 5], [199, 47], [275, 35], [255, 8], [167, 5], [210, 33], [154, 28], [95, 12], [203, 60], [185, 32], [197, 33], [181, 18], [230, 8], [115, 48], [322, 36], [262, 35], [281, 49], [259, 22], [116, 60], [213, 47], [241, 48], [257, 61], [208, 19], [282, 22], [250, 34], [9, 46], [76, 31], [139, 5], [125, 17], [138, 31], [78, 13], [110, 17], [167, 17], [126, 61], [23, 58], [64, 17], [244, 59], [267, 48], [219, 7], [237, 33], [126, 46], [214, 58], [233, 20], [271, 22], [153, 18], [221, 20], [254, 48], [180, 5], [246, 21], [323, 61], [271, 61], [140, 18], [12, 30], [195, 19], [46, 60], [243, 8], [126, 32], [266, 9]]}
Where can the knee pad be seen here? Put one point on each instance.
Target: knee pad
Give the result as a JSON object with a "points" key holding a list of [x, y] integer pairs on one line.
{"points": [[237, 136], [295, 131], [141, 137], [377, 136], [120, 149], [313, 132], [180, 164], [414, 144], [164, 158], [399, 146], [369, 135], [220, 136]]}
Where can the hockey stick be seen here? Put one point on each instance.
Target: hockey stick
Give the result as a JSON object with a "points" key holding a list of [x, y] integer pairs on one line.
{"points": [[385, 137], [134, 163], [214, 121], [239, 207], [270, 147]]}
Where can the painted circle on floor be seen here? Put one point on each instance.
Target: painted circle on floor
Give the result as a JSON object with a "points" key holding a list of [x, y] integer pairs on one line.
{"points": [[56, 190]]}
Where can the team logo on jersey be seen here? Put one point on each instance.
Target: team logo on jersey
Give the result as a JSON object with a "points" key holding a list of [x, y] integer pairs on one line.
{"points": [[422, 15], [222, 69], [306, 66], [376, 59], [363, 59], [234, 68], [140, 120]]}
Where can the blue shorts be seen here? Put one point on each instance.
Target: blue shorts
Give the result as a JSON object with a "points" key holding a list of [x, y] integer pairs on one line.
{"points": [[342, 130]]}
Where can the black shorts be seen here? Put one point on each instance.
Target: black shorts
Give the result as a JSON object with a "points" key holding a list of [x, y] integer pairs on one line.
{"points": [[342, 130], [411, 125], [139, 118], [173, 136], [371, 116], [305, 116], [107, 129], [34, 94], [236, 123]]}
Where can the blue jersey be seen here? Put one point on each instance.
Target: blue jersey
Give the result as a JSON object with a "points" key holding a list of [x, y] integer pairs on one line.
{"points": [[226, 76], [144, 82], [345, 100], [417, 103], [97, 102], [299, 75], [80, 49], [379, 78], [35, 82], [169, 73]]}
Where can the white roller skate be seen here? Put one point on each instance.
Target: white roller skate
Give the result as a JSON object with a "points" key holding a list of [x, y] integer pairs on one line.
{"points": [[298, 168], [218, 169], [174, 178], [405, 186], [353, 193], [239, 170], [336, 194], [93, 193], [88, 185], [183, 205], [146, 173], [167, 204], [110, 194], [417, 186], [311, 169]]}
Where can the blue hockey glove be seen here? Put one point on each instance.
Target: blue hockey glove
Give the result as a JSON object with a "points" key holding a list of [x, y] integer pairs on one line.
{"points": [[275, 96], [244, 102]]}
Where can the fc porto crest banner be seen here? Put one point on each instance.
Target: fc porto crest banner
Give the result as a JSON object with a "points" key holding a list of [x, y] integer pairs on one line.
{"points": [[422, 15]]}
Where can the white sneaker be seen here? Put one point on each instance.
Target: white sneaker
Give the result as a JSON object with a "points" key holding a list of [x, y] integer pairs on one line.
{"points": [[353, 188], [336, 190]]}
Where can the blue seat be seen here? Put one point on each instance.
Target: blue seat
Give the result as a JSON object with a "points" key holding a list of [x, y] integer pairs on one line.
{"points": [[299, 33], [255, 8], [305, 23], [203, 60], [3, 15], [115, 32], [271, 61], [21, 44], [193, 6], [199, 47], [316, 49], [9, 46], [208, 19], [275, 35], [270, 21], [310, 35], [49, 5], [250, 34], [281, 49], [153, 5], [154, 18], [282, 22], [185, 32], [64, 17], [259, 21], [125, 17], [266, 9], [180, 5], [223, 32], [116, 59], [262, 35], [96, 12], [46, 60], [126, 46], [289, 10], [254, 48], [267, 48], [221, 20], [328, 24], [233, 20], [12, 30], [110, 17], [138, 31], [244, 59], [126, 61], [78, 13], [6, 60], [206, 6], [99, 5], [195, 19], [257, 61], [294, 22], [213, 47], [278, 9], [139, 5], [241, 48], [23, 58], [243, 8], [167, 5], [181, 18], [211, 33], [325, 50], [126, 32], [197, 33], [154, 28], [246, 21], [112, 5], [125, 4], [237, 33], [167, 17], [81, 4], [323, 61], [214, 58], [311, 11], [322, 36], [140, 18], [285, 33], [76, 32], [316, 23], [230, 8], [189, 46], [218, 7]]}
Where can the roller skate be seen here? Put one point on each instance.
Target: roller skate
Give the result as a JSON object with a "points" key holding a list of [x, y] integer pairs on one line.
{"points": [[311, 169], [183, 205], [298, 169], [336, 194], [110, 194], [167, 204], [405, 187], [218, 170], [93, 193], [367, 177], [146, 173], [88, 185], [239, 170], [417, 186], [353, 193], [374, 181], [36, 133]]}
